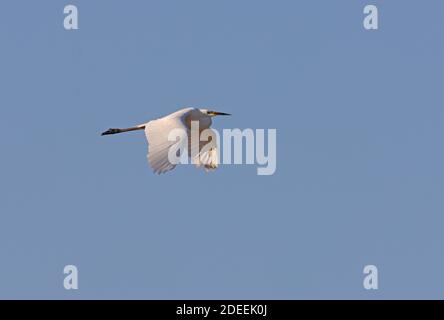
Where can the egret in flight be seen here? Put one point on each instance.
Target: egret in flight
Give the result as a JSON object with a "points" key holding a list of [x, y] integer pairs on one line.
{"points": [[157, 133]]}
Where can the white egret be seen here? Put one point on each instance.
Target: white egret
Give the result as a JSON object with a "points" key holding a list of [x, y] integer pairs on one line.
{"points": [[157, 132]]}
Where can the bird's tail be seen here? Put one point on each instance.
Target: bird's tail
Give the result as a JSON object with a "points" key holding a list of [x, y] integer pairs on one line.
{"points": [[115, 130]]}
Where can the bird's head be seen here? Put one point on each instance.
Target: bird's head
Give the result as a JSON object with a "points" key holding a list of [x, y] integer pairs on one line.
{"points": [[213, 113]]}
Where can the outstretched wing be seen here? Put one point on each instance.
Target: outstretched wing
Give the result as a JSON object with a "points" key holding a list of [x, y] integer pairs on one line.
{"points": [[159, 146]]}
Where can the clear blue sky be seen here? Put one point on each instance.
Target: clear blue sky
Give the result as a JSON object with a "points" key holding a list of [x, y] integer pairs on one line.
{"points": [[359, 179]]}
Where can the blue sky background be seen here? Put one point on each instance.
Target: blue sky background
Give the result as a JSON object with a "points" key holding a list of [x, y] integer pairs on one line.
{"points": [[360, 176]]}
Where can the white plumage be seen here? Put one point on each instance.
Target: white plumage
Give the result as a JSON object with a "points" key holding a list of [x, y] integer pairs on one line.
{"points": [[157, 133]]}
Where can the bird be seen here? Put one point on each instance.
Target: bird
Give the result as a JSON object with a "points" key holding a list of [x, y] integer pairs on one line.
{"points": [[157, 131]]}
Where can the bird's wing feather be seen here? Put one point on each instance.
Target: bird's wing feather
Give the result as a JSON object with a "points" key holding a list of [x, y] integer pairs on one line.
{"points": [[208, 154], [157, 132]]}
